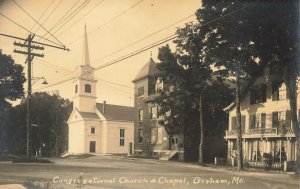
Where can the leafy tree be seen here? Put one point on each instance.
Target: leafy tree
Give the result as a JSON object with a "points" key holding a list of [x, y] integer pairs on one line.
{"points": [[49, 114], [190, 80], [11, 88], [254, 34]]}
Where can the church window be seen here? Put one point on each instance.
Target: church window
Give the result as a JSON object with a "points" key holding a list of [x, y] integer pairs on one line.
{"points": [[87, 88], [93, 130], [122, 137], [76, 88]]}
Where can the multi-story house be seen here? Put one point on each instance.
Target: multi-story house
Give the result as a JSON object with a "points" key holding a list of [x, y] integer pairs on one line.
{"points": [[152, 139], [266, 123]]}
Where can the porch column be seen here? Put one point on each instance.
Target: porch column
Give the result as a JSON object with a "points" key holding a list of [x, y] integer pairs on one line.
{"points": [[229, 150], [268, 150], [246, 155], [289, 150]]}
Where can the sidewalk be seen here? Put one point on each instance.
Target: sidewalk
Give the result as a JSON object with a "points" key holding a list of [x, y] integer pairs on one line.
{"points": [[285, 177]]}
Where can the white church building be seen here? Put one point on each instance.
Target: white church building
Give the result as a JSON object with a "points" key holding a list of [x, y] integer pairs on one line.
{"points": [[99, 128]]}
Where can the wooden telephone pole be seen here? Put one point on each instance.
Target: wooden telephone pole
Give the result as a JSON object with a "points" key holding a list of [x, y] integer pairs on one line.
{"points": [[30, 55]]}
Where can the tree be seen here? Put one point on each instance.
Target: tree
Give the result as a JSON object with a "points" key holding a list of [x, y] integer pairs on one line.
{"points": [[49, 114], [11, 88], [190, 78], [253, 35]]}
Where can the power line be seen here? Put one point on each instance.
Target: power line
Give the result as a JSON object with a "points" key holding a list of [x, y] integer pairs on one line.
{"points": [[147, 47], [80, 18], [75, 13], [53, 10], [58, 21], [121, 49], [38, 23], [25, 30], [15, 37], [110, 20], [112, 62], [44, 12], [71, 15]]}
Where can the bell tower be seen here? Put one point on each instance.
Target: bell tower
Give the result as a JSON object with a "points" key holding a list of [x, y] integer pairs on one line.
{"points": [[85, 85]]}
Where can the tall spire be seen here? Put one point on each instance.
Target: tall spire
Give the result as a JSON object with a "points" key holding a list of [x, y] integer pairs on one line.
{"points": [[85, 57]]}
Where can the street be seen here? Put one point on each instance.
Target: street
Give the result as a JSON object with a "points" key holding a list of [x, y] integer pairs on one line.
{"points": [[122, 172]]}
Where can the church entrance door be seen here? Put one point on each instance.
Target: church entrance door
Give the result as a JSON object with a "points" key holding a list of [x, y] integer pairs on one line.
{"points": [[92, 146]]}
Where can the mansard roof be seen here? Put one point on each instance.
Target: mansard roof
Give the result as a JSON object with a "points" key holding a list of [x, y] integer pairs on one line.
{"points": [[147, 70]]}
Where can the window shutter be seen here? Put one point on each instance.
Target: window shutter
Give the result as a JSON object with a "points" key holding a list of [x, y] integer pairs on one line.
{"points": [[243, 122], [263, 120], [252, 121], [233, 123], [288, 118], [275, 92], [275, 119]]}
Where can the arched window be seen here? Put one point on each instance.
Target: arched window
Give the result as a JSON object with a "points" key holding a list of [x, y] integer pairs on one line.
{"points": [[87, 88], [76, 88]]}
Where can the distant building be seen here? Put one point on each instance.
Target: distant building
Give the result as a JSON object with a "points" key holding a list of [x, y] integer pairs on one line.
{"points": [[97, 127], [151, 139], [266, 123]]}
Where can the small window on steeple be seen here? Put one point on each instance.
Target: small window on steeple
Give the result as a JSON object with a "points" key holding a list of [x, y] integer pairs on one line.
{"points": [[76, 88], [87, 88]]}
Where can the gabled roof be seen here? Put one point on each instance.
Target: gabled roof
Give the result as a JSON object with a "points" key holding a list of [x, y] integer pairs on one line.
{"points": [[88, 115], [147, 70], [116, 112], [243, 93]]}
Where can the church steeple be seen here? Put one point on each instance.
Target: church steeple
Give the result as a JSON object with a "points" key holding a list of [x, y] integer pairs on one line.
{"points": [[85, 86], [85, 56]]}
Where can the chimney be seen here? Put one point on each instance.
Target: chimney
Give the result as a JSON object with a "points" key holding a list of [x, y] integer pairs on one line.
{"points": [[103, 107]]}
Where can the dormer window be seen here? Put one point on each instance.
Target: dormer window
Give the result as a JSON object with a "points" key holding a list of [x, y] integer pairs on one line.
{"points": [[76, 89], [258, 94], [87, 88], [159, 85], [279, 91]]}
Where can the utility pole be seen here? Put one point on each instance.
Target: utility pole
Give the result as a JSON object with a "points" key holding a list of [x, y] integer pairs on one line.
{"points": [[30, 55]]}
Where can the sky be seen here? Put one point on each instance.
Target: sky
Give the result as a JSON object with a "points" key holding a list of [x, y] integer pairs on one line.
{"points": [[115, 28]]}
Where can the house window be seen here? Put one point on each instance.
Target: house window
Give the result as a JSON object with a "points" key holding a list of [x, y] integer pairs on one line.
{"points": [[281, 119], [93, 130], [279, 91], [234, 122], [153, 135], [258, 94], [87, 88], [257, 121], [153, 112], [159, 135], [159, 85], [140, 135], [76, 89], [141, 112], [140, 91], [122, 137]]}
